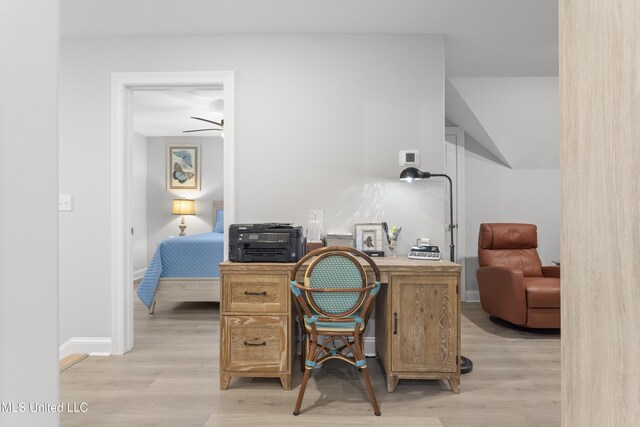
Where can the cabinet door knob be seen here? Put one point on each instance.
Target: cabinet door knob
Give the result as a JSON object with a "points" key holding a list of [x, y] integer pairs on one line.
{"points": [[395, 323], [255, 342]]}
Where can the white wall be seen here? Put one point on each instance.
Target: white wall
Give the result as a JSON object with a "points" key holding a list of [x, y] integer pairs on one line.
{"points": [[495, 193], [139, 204], [29, 44], [319, 122], [161, 224]]}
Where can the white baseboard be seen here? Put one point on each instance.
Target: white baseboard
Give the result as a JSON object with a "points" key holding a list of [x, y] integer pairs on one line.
{"points": [[370, 346], [93, 346], [139, 274]]}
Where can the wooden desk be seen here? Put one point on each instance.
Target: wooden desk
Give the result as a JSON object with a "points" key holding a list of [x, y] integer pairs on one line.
{"points": [[417, 321]]}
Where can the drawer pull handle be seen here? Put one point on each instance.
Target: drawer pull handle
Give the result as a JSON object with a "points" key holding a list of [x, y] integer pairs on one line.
{"points": [[255, 342], [256, 293], [395, 323]]}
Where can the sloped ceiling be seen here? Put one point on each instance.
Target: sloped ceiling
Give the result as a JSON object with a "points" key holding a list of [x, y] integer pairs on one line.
{"points": [[517, 119]]}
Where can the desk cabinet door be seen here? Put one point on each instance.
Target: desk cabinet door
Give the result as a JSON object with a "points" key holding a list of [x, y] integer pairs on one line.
{"points": [[424, 329]]}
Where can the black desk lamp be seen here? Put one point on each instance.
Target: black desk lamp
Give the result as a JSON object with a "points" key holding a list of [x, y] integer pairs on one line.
{"points": [[411, 174]]}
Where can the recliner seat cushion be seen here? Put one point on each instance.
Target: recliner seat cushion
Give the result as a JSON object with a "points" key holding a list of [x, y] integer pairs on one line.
{"points": [[542, 292]]}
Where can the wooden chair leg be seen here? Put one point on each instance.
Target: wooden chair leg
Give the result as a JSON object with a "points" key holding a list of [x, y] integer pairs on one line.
{"points": [[311, 353], [372, 395], [303, 386], [365, 374]]}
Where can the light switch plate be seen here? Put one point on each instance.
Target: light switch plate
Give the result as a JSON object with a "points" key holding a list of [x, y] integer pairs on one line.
{"points": [[65, 202]]}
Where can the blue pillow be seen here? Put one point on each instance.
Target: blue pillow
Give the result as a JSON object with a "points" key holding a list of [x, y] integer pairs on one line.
{"points": [[219, 227]]}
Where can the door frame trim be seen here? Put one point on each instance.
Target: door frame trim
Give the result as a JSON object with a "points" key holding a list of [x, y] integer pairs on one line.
{"points": [[459, 212]]}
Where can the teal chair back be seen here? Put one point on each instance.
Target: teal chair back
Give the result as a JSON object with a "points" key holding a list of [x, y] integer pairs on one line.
{"points": [[332, 271]]}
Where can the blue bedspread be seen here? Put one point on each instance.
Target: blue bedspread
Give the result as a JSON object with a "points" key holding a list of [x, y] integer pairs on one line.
{"points": [[186, 256]]}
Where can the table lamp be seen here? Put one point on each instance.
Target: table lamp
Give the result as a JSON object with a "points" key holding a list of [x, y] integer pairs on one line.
{"points": [[183, 207], [413, 174]]}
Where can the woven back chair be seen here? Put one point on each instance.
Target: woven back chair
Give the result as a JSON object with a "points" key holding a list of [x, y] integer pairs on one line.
{"points": [[334, 302]]}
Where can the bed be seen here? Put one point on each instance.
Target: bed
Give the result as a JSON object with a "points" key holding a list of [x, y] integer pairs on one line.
{"points": [[186, 268]]}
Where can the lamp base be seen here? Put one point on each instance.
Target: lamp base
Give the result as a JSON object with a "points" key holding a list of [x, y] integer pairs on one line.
{"points": [[182, 227]]}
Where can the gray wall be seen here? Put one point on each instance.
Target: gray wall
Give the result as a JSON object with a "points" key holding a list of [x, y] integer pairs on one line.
{"points": [[319, 122], [139, 204], [151, 201], [160, 223], [495, 193], [29, 45]]}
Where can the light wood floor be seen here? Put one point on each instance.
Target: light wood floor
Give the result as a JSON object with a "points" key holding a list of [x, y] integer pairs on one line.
{"points": [[171, 379]]}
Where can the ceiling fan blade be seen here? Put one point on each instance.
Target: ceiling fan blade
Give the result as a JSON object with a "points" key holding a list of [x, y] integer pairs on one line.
{"points": [[198, 130], [221, 124]]}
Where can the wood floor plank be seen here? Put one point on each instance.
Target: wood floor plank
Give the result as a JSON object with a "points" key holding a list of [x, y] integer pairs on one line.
{"points": [[171, 379], [70, 360]]}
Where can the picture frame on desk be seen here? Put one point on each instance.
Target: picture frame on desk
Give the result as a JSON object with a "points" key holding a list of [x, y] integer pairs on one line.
{"points": [[370, 237]]}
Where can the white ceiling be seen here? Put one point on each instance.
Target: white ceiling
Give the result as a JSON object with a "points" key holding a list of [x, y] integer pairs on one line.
{"points": [[168, 112], [482, 37], [497, 39]]}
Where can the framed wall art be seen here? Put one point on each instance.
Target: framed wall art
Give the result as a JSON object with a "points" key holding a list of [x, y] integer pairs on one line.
{"points": [[183, 167], [370, 237]]}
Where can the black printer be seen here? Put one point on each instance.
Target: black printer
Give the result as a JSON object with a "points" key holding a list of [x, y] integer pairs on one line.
{"points": [[271, 242]]}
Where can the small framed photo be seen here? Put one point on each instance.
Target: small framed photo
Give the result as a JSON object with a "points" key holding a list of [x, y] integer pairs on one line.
{"points": [[183, 167], [370, 237]]}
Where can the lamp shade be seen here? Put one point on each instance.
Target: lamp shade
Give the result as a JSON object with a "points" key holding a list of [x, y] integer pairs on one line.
{"points": [[183, 207]]}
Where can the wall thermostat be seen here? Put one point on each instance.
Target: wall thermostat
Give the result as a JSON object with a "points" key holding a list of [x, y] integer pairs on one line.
{"points": [[409, 158]]}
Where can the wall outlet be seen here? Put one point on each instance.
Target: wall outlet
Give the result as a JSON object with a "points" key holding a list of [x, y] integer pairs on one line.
{"points": [[65, 202]]}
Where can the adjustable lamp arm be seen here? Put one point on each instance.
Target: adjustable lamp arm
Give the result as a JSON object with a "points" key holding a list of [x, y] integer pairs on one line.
{"points": [[451, 225]]}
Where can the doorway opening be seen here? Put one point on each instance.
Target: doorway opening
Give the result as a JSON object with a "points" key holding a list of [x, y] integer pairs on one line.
{"points": [[123, 86]]}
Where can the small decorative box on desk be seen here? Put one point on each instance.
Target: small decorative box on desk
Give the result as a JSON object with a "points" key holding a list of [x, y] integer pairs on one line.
{"points": [[312, 246], [339, 239]]}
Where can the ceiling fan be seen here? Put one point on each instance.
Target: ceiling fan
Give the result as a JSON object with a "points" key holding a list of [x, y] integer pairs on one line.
{"points": [[221, 124]]}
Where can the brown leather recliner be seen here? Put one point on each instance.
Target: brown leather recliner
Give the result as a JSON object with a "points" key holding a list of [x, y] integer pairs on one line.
{"points": [[513, 284]]}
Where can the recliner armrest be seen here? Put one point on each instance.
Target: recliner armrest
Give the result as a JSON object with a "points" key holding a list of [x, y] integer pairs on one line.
{"points": [[502, 293], [551, 271]]}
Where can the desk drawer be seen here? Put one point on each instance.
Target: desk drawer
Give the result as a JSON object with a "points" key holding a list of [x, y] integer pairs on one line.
{"points": [[256, 293], [254, 343]]}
